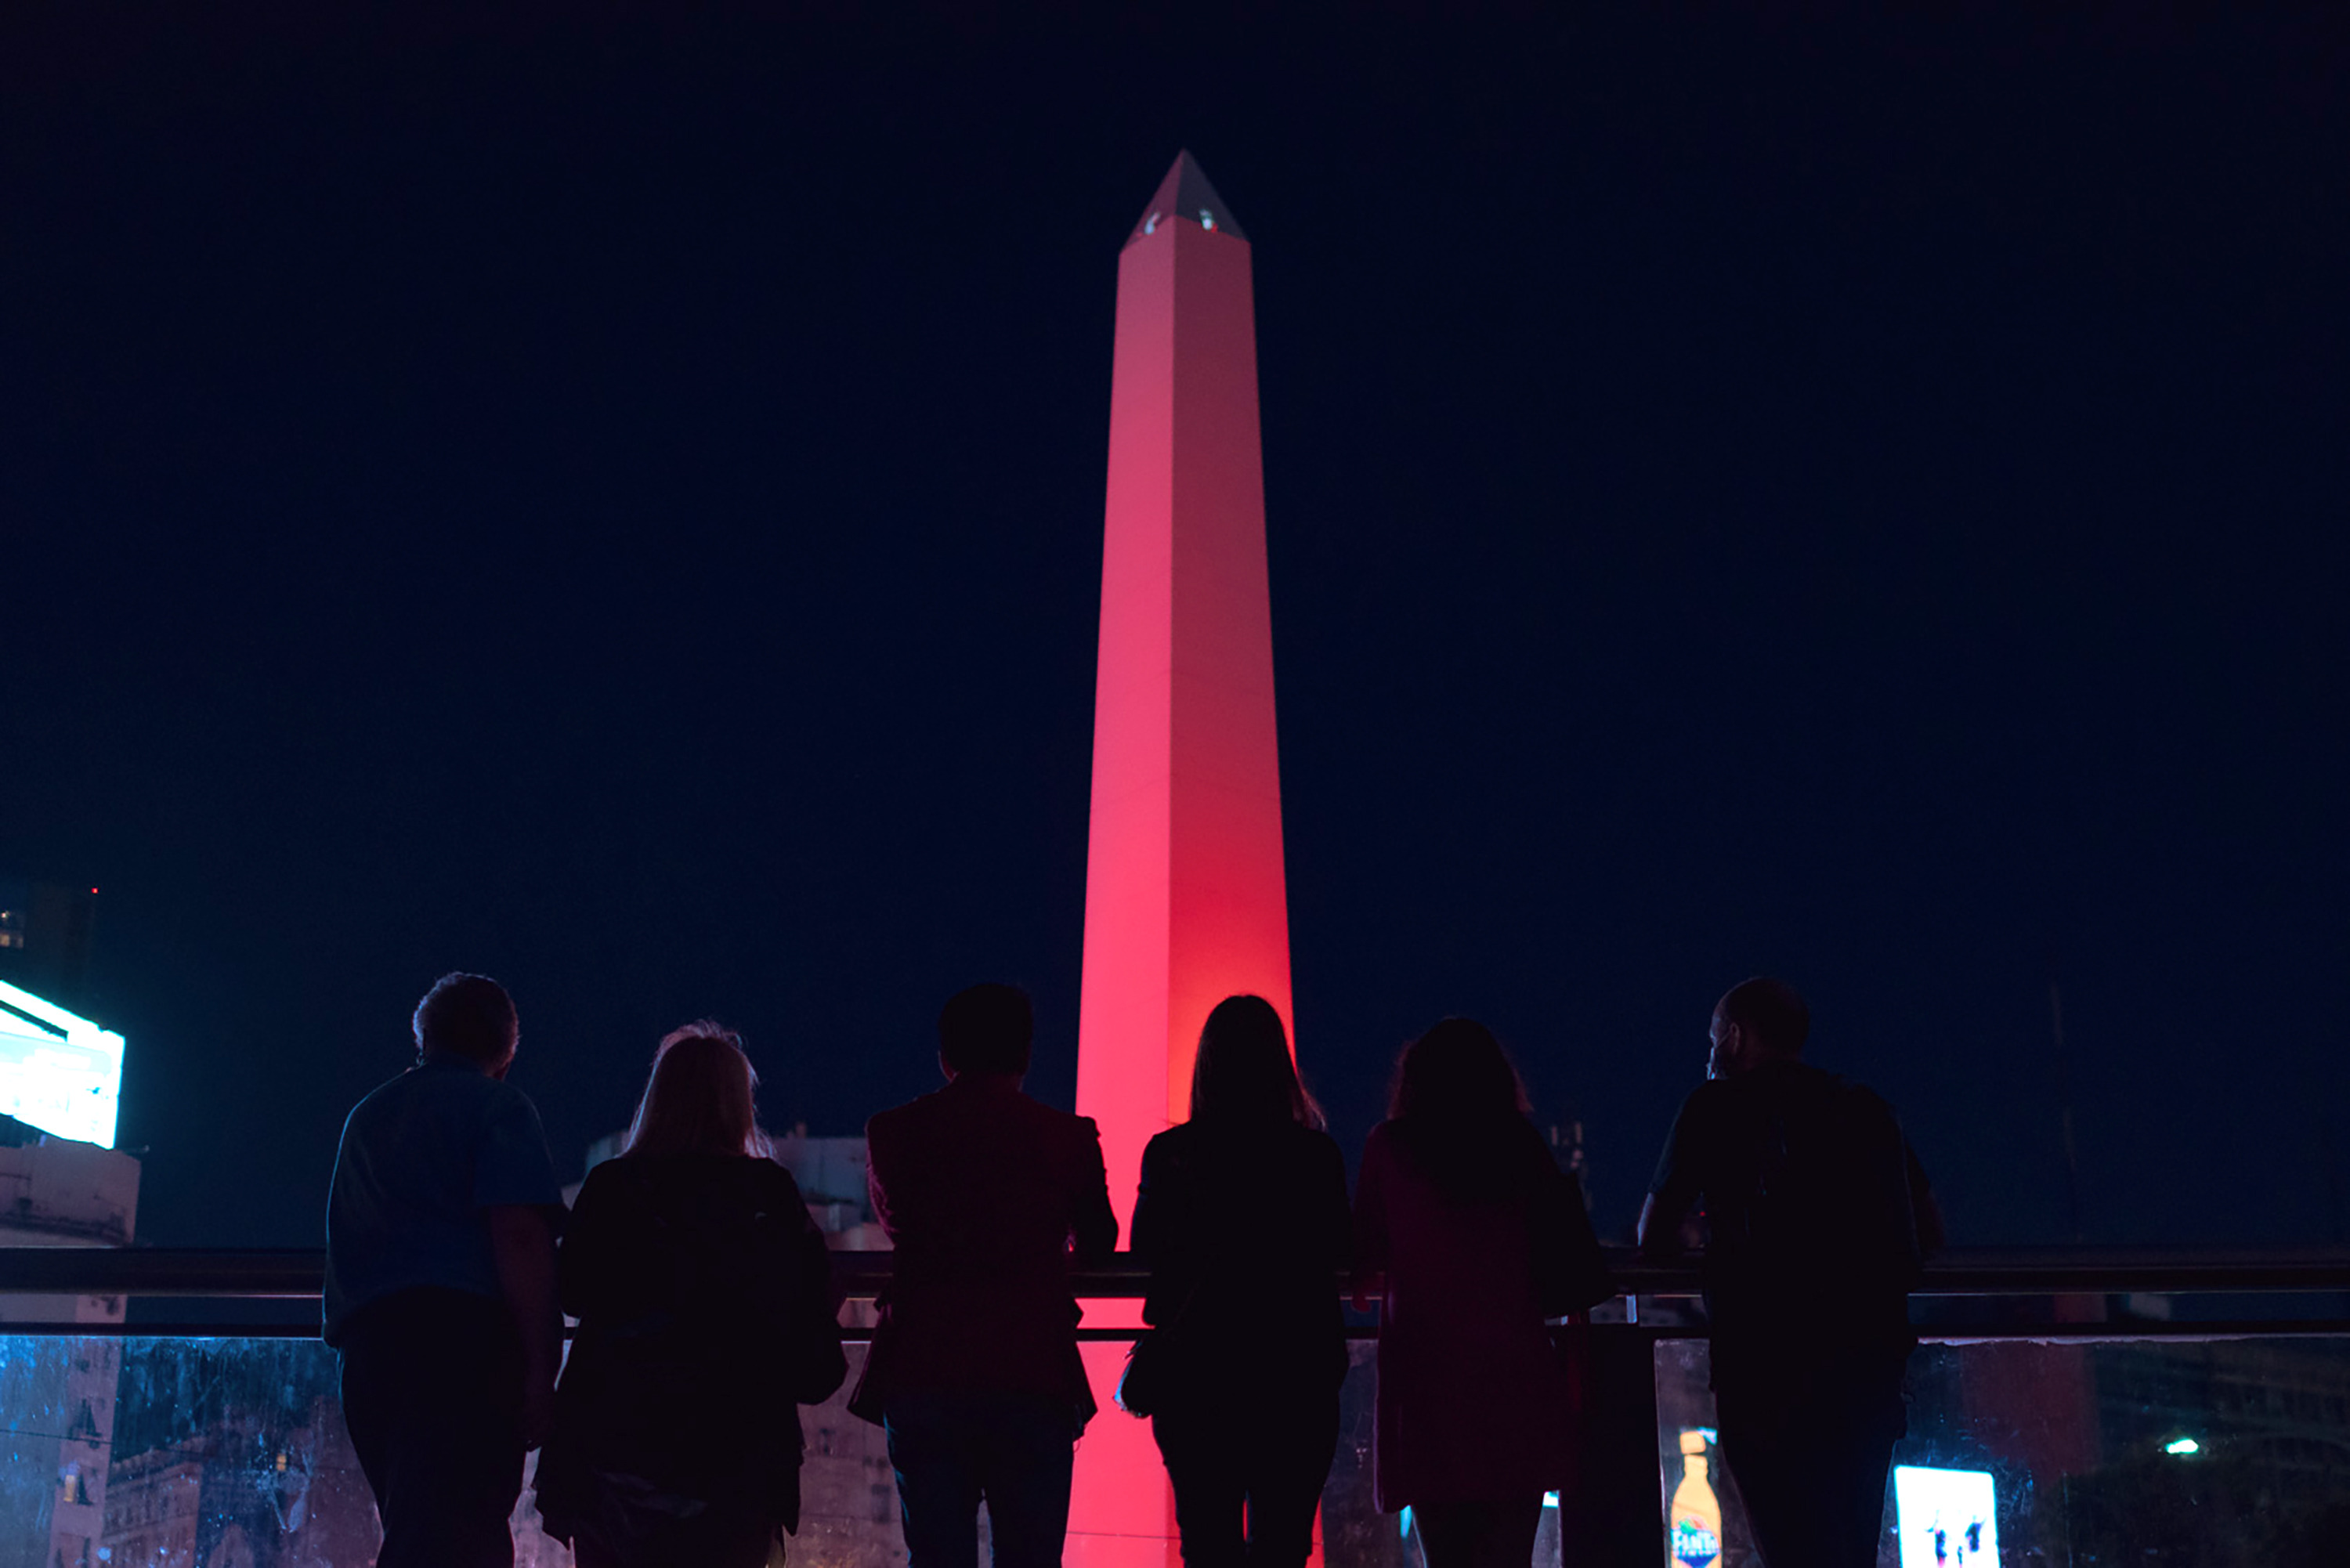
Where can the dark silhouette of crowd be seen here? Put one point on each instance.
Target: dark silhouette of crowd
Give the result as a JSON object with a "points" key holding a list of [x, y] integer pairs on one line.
{"points": [[707, 1308]]}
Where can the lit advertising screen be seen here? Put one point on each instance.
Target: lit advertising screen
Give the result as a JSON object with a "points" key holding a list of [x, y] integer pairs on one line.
{"points": [[58, 1073], [1946, 1519]]}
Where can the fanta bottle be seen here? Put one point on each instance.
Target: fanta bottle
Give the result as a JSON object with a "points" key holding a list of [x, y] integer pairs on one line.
{"points": [[1696, 1512]]}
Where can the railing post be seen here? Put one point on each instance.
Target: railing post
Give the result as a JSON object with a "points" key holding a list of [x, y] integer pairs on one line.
{"points": [[1616, 1512]]}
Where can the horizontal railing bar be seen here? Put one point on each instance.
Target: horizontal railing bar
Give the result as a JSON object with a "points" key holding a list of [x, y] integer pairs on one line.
{"points": [[297, 1272], [2134, 1332]]}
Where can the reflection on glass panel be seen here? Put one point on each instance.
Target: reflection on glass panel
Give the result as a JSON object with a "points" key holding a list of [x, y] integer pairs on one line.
{"points": [[1353, 1536], [2155, 1453], [1352, 1533], [231, 1453], [849, 1500], [152, 1452], [180, 1452]]}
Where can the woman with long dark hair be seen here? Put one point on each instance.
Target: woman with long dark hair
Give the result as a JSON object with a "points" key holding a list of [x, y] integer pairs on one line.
{"points": [[706, 1311], [1242, 1219], [1481, 1238]]}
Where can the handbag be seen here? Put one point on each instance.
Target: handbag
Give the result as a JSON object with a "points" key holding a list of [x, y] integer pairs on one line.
{"points": [[1152, 1364]]}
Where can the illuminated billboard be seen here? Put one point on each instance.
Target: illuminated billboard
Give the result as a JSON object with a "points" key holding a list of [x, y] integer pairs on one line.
{"points": [[1946, 1519], [58, 1073]]}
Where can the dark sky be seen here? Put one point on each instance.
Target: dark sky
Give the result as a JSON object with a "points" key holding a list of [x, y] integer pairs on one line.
{"points": [[614, 501]]}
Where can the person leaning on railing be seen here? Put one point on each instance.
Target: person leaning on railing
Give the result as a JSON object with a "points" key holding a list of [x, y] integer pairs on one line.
{"points": [[1480, 1237], [707, 1313], [1242, 1216], [440, 1286], [1818, 1216], [974, 1376]]}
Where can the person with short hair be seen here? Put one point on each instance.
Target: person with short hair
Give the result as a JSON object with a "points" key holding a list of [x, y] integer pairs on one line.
{"points": [[1462, 1213], [440, 1287], [707, 1313], [975, 1373], [1818, 1216], [1243, 1217]]}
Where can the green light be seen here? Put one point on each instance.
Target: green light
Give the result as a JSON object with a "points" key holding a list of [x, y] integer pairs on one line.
{"points": [[2182, 1447]]}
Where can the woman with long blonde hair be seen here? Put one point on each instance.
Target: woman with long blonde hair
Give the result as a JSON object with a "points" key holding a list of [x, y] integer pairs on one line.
{"points": [[706, 1309]]}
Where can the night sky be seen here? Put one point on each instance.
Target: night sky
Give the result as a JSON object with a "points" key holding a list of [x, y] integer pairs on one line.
{"points": [[613, 500]]}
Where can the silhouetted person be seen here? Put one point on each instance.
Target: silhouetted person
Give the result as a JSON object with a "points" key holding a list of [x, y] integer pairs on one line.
{"points": [[1481, 1237], [975, 1371], [1242, 1219], [441, 1284], [1818, 1215], [706, 1313]]}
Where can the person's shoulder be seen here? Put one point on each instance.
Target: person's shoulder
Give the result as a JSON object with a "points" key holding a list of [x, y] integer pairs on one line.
{"points": [[1053, 1118], [434, 1092], [446, 1082], [1526, 1144], [759, 1180], [1312, 1143], [897, 1118], [608, 1179], [1711, 1099], [498, 1112], [773, 1177], [1811, 1082], [383, 1095], [1863, 1107], [1710, 1092], [1859, 1095], [505, 1098]]}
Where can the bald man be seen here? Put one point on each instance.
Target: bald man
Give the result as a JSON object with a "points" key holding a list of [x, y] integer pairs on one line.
{"points": [[1816, 1216]]}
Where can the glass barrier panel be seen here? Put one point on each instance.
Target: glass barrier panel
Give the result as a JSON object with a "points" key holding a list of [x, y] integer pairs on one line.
{"points": [[2151, 1452], [186, 1452], [195, 1452]]}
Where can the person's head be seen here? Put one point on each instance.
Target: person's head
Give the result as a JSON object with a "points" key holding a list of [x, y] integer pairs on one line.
{"points": [[1458, 1115], [702, 1097], [1243, 1072], [986, 1029], [468, 1016], [1456, 1072], [1757, 1022]]}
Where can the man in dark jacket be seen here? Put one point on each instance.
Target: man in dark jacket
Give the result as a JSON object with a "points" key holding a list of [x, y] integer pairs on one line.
{"points": [[1818, 1215], [975, 1371]]}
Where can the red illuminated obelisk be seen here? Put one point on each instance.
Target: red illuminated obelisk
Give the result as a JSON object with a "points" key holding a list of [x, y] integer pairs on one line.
{"points": [[1185, 900]]}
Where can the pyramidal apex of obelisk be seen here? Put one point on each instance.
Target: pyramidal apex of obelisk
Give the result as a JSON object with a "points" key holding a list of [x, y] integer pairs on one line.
{"points": [[1186, 194]]}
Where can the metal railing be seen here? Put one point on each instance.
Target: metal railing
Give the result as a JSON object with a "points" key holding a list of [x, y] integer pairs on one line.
{"points": [[1955, 1285], [1979, 1411]]}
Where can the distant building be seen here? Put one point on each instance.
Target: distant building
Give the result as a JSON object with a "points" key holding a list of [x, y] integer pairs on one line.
{"points": [[153, 1506], [46, 931], [2281, 1402], [55, 1192], [830, 1172], [268, 1483]]}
